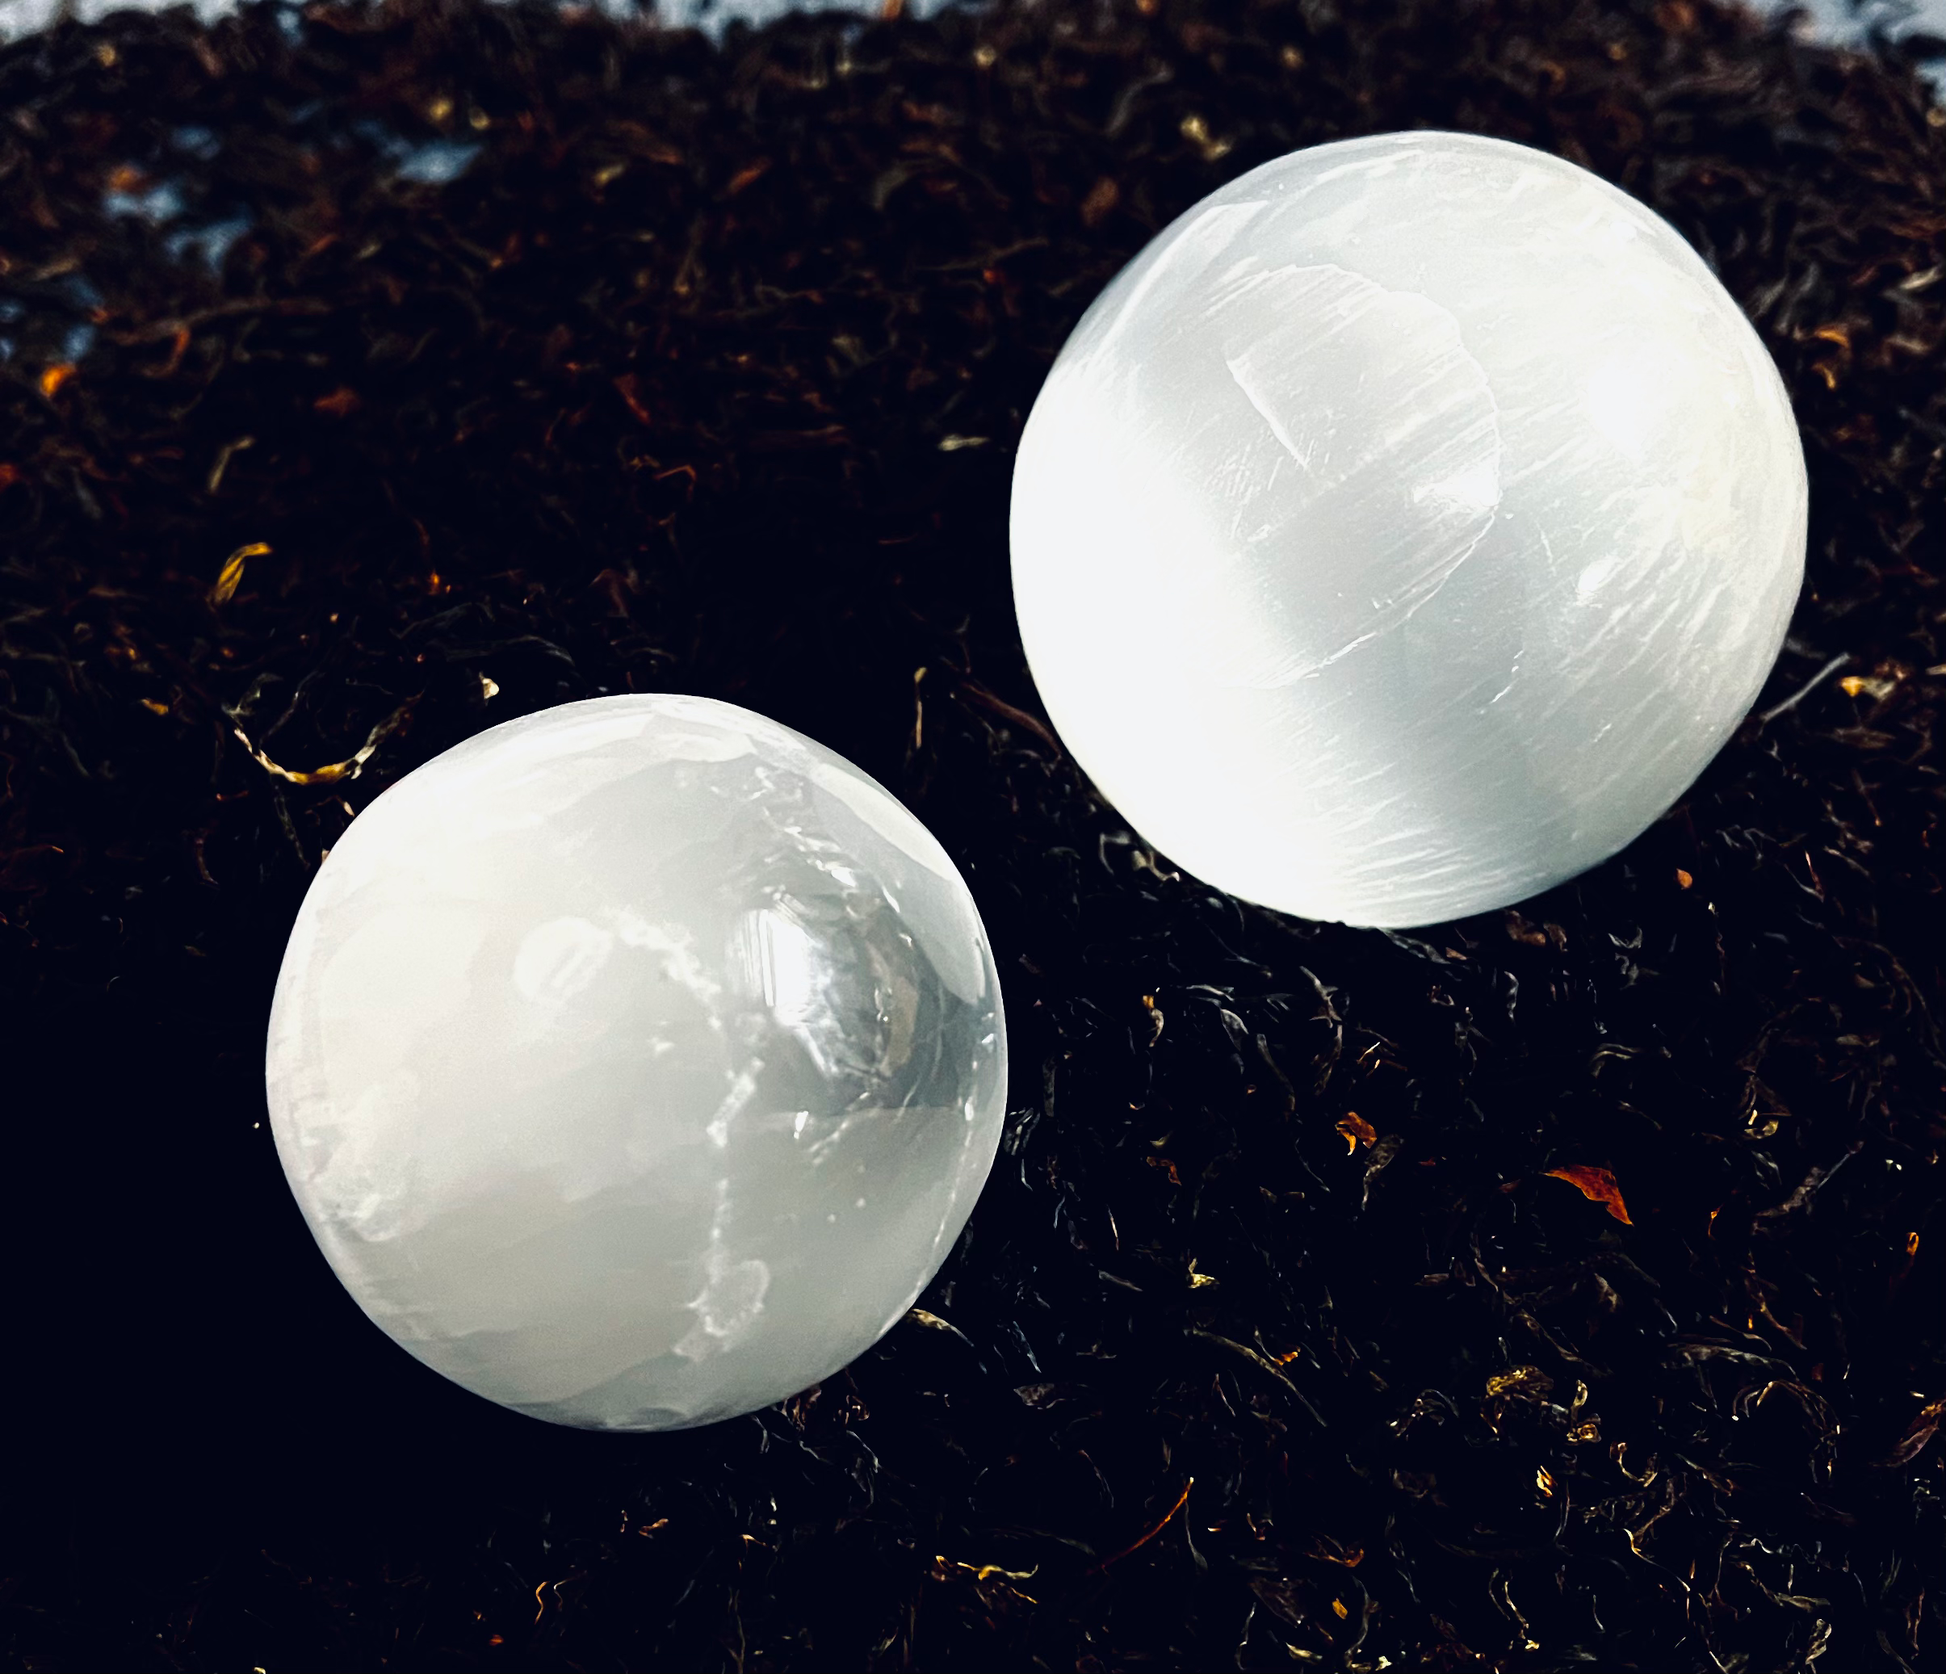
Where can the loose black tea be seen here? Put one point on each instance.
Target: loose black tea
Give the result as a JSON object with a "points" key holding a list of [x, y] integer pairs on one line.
{"points": [[1561, 1287]]}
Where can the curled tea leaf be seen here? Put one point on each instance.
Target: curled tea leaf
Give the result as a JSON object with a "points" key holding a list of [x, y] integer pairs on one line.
{"points": [[1520, 1380], [1597, 1185], [1920, 1431], [331, 772], [230, 577], [1357, 1132]]}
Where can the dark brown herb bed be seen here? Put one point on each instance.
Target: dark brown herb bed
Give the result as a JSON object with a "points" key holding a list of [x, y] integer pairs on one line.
{"points": [[1285, 1334]]}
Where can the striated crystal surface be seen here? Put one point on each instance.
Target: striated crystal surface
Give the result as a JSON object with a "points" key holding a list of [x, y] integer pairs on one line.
{"points": [[636, 1063], [1406, 528]]}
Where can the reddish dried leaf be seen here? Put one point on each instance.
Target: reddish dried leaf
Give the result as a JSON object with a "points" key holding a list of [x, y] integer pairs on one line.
{"points": [[629, 388], [1597, 1185]]}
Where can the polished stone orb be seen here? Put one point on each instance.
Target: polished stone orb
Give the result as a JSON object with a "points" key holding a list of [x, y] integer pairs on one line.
{"points": [[637, 1062], [1405, 528]]}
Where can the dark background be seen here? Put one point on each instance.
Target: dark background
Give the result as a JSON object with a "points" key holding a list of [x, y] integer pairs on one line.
{"points": [[551, 356]]}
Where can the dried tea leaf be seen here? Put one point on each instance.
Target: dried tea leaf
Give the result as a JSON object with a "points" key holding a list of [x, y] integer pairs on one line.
{"points": [[1357, 1132], [332, 772], [1595, 1184], [1522, 1380], [1919, 1432], [230, 577]]}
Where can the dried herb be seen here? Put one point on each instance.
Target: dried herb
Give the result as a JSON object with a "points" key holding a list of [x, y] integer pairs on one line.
{"points": [[1597, 1185], [372, 374]]}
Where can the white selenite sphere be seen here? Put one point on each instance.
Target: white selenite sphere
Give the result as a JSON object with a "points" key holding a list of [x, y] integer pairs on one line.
{"points": [[1405, 528], [636, 1063]]}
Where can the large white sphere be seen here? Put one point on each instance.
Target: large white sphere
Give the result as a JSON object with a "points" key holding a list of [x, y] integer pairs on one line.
{"points": [[1405, 528], [636, 1063]]}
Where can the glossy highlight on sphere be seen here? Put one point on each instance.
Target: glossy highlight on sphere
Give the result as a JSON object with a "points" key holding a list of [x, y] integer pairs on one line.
{"points": [[637, 1062], [1406, 528]]}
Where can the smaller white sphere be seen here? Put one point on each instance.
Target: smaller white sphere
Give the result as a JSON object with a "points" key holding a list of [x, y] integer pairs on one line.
{"points": [[636, 1063], [1405, 528]]}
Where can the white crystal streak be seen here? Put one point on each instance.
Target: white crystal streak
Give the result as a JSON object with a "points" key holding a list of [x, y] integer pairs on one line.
{"points": [[637, 1063], [1405, 528]]}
